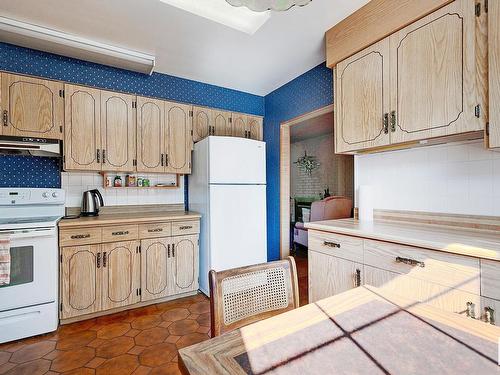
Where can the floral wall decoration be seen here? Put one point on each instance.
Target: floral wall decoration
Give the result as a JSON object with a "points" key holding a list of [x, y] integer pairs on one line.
{"points": [[307, 163]]}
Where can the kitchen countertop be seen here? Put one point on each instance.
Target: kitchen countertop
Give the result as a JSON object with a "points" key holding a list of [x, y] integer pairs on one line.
{"points": [[129, 218], [476, 243]]}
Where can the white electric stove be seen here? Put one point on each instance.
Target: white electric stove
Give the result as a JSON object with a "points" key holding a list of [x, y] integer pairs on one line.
{"points": [[29, 303]]}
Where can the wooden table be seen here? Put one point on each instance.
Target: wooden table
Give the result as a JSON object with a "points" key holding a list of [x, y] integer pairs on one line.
{"points": [[362, 331]]}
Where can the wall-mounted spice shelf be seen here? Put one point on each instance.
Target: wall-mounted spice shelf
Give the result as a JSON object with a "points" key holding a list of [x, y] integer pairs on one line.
{"points": [[112, 176]]}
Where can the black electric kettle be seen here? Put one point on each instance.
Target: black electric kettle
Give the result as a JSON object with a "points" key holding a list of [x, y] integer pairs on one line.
{"points": [[90, 203]]}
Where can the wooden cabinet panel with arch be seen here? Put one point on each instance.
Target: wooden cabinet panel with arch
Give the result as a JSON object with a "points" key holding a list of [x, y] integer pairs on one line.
{"points": [[255, 128], [150, 139], [183, 264], [240, 125], [31, 107], [202, 123], [155, 253], [178, 137]]}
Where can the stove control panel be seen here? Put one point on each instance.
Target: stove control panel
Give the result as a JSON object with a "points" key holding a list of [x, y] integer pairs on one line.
{"points": [[31, 196]]}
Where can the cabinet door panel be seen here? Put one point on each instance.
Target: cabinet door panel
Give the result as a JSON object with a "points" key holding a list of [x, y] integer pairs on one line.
{"points": [[154, 256], [121, 274], [221, 123], [494, 72], [329, 275], [82, 132], [184, 264], [433, 75], [178, 138], [202, 123], [150, 142], [362, 84], [35, 107], [239, 125], [117, 131], [80, 281], [255, 128]]}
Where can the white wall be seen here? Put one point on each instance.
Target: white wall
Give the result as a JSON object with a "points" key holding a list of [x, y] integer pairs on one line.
{"points": [[76, 183], [453, 178]]}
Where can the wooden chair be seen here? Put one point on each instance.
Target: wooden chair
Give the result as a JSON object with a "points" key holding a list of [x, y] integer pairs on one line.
{"points": [[241, 296]]}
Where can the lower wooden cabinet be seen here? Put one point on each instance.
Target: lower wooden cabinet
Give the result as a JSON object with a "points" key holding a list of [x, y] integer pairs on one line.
{"points": [[155, 254], [329, 275], [184, 264]]}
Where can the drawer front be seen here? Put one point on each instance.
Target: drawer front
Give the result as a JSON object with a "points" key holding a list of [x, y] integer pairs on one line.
{"points": [[450, 270], [490, 279], [155, 230], [185, 227], [346, 247], [79, 236], [120, 233]]}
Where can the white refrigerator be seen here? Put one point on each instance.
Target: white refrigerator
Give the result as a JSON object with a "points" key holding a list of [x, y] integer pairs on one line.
{"points": [[228, 187]]}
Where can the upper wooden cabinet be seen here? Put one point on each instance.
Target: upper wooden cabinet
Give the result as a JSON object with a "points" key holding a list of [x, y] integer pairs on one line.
{"points": [[494, 72], [362, 84], [222, 122], [423, 81], [150, 140], [118, 131], [247, 126], [178, 138], [31, 107], [254, 126], [82, 133], [207, 121], [240, 122]]}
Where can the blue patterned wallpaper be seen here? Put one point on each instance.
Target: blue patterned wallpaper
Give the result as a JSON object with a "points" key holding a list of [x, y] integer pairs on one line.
{"points": [[310, 91], [44, 172]]}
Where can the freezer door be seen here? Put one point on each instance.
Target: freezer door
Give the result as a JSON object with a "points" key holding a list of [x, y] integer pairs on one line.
{"points": [[235, 160], [237, 226]]}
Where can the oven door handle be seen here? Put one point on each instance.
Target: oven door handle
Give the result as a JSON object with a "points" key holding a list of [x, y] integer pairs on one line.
{"points": [[28, 233]]}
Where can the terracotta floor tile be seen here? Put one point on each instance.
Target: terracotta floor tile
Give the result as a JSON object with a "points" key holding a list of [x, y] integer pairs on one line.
{"points": [[123, 365], [145, 322], [203, 329], [151, 336], [142, 370], [164, 324], [115, 347], [95, 362], [183, 327], [169, 369], [158, 355], [148, 310], [4, 357], [132, 333], [193, 316], [113, 318], [204, 319], [200, 307], [76, 340], [97, 342], [81, 371], [6, 367], [37, 367], [175, 314], [32, 352], [72, 359], [192, 338], [53, 354], [172, 339], [76, 327], [113, 330], [11, 347], [136, 350], [176, 358]]}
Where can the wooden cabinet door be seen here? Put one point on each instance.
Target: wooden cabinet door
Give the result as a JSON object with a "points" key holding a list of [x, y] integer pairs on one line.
{"points": [[184, 264], [80, 280], [82, 130], [362, 99], [154, 272], [221, 123], [202, 123], [255, 130], [433, 75], [120, 274], [118, 131], [32, 107], [239, 121], [329, 275], [494, 72], [150, 140], [178, 138]]}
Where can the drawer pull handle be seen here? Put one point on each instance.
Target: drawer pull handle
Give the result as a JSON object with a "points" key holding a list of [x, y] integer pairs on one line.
{"points": [[120, 233], [489, 315], [168, 247], [186, 227], [411, 262], [358, 277], [98, 260], [155, 230], [5, 118], [331, 244], [470, 312], [104, 259], [80, 236]]}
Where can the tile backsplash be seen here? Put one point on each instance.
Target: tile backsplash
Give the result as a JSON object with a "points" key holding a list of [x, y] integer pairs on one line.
{"points": [[76, 183], [459, 178]]}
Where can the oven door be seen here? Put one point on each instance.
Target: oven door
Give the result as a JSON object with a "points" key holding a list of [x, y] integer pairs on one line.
{"points": [[33, 268]]}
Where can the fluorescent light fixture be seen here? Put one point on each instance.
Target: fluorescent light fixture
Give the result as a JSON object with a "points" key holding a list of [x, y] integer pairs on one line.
{"points": [[53, 41], [241, 19]]}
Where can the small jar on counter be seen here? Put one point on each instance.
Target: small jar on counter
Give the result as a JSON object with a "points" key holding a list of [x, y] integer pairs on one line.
{"points": [[130, 181], [117, 182], [139, 181]]}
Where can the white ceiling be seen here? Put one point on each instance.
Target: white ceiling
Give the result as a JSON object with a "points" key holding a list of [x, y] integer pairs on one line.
{"points": [[312, 128], [189, 46]]}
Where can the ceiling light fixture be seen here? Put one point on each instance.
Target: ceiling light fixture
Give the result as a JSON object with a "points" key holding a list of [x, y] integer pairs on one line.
{"points": [[264, 5], [219, 11]]}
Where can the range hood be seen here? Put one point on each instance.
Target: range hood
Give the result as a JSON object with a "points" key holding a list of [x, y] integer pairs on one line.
{"points": [[30, 146]]}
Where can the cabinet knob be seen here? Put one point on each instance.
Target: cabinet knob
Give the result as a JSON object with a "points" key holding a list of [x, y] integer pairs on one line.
{"points": [[489, 315], [358, 277], [470, 310], [386, 123], [393, 121]]}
